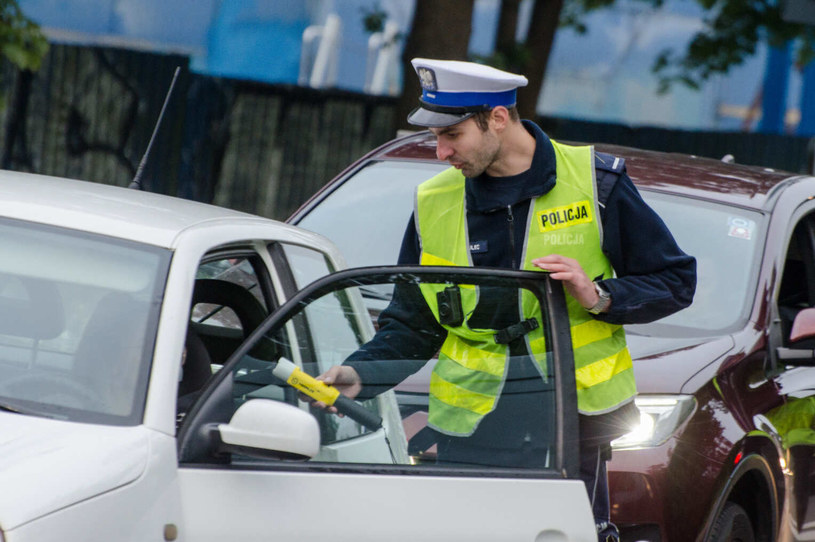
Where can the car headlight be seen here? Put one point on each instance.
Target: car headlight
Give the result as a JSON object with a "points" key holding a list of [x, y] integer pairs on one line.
{"points": [[660, 417]]}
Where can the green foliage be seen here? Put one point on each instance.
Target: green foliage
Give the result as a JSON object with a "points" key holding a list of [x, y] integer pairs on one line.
{"points": [[574, 11], [21, 40], [731, 34], [512, 59], [373, 18], [733, 30]]}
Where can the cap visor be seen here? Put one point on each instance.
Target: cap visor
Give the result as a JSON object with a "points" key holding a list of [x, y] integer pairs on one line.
{"points": [[431, 119]]}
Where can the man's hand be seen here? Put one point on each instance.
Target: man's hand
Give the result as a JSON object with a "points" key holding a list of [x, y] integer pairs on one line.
{"points": [[345, 379], [574, 279]]}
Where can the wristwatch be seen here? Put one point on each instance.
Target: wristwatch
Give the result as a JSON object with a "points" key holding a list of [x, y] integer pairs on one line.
{"points": [[603, 302]]}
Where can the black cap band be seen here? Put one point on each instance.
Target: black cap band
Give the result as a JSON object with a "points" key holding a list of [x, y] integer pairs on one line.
{"points": [[454, 109]]}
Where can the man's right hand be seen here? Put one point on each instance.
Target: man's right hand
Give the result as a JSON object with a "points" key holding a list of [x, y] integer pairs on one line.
{"points": [[345, 379]]}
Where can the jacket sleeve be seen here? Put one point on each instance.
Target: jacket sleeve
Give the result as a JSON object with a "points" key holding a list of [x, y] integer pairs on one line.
{"points": [[408, 334], [654, 277]]}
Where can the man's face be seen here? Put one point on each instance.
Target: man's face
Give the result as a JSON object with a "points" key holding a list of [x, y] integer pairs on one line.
{"points": [[466, 147]]}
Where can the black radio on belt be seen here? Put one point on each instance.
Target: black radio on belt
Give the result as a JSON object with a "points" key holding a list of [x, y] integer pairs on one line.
{"points": [[451, 313]]}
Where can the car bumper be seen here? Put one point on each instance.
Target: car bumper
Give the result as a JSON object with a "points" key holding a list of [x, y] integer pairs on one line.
{"points": [[660, 494]]}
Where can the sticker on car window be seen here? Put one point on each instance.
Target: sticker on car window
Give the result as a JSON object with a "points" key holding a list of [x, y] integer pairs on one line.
{"points": [[741, 228]]}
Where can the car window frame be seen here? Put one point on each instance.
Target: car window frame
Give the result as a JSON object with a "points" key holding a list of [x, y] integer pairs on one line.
{"points": [[206, 411], [803, 215], [288, 281]]}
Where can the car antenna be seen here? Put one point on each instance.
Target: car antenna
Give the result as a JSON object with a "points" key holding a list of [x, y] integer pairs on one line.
{"points": [[136, 182]]}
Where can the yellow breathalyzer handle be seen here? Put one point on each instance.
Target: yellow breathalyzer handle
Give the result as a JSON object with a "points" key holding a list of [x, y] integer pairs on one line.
{"points": [[320, 391]]}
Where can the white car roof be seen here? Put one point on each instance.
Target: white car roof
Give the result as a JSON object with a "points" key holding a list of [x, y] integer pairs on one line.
{"points": [[124, 213]]}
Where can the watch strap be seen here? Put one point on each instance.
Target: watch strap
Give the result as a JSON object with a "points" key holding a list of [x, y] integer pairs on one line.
{"points": [[603, 301]]}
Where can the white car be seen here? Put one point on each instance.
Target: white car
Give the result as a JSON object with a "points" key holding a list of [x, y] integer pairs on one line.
{"points": [[141, 395]]}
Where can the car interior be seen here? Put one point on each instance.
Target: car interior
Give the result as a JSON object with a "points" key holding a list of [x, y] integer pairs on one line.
{"points": [[223, 313], [797, 290]]}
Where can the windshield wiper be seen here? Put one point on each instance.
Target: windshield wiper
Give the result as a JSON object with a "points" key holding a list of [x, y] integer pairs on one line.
{"points": [[8, 407]]}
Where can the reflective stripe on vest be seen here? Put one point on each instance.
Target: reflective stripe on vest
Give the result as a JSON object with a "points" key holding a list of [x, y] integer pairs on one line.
{"points": [[471, 370]]}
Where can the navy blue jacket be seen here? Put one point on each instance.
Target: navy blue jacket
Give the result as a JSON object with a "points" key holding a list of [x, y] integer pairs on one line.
{"points": [[654, 277]]}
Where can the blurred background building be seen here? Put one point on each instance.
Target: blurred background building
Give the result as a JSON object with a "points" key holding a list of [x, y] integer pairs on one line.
{"points": [[601, 75], [276, 97]]}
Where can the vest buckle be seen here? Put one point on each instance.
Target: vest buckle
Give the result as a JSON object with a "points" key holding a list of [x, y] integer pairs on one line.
{"points": [[516, 331]]}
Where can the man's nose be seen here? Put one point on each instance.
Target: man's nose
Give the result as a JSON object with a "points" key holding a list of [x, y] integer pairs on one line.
{"points": [[443, 151]]}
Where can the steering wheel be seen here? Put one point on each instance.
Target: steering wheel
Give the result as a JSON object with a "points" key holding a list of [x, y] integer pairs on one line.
{"points": [[52, 388]]}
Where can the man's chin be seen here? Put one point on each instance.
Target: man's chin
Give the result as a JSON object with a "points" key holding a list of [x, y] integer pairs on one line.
{"points": [[469, 172]]}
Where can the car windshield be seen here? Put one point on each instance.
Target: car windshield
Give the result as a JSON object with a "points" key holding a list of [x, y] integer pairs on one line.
{"points": [[726, 242], [78, 317], [366, 217]]}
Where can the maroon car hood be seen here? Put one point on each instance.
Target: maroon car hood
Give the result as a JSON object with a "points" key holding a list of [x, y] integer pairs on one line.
{"points": [[663, 365]]}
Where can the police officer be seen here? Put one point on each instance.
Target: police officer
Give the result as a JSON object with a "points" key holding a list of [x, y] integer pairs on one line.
{"points": [[526, 202]]}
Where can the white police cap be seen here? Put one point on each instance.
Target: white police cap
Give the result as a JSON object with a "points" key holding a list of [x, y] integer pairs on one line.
{"points": [[453, 90]]}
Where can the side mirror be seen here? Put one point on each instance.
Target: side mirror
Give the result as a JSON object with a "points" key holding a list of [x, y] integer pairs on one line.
{"points": [[270, 429]]}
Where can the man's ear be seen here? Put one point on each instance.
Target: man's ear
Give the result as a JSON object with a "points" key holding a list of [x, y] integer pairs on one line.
{"points": [[499, 118]]}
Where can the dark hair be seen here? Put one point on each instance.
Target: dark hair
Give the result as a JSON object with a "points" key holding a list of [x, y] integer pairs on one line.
{"points": [[482, 118]]}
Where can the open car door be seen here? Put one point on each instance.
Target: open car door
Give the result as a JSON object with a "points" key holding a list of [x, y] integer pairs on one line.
{"points": [[257, 462]]}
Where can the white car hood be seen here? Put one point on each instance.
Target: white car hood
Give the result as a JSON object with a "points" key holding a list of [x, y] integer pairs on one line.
{"points": [[47, 465]]}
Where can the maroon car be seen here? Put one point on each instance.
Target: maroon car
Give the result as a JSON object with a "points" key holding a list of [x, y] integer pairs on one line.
{"points": [[724, 450]]}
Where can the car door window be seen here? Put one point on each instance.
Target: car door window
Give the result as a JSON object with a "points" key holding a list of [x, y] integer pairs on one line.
{"points": [[797, 288], [517, 402], [228, 302], [305, 264], [325, 342], [231, 296], [790, 418]]}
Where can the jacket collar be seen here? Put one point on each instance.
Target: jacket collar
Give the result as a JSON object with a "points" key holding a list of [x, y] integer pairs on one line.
{"points": [[486, 193]]}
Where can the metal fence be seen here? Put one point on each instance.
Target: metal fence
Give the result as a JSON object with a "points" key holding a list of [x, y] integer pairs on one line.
{"points": [[280, 144], [88, 114], [784, 152], [90, 111]]}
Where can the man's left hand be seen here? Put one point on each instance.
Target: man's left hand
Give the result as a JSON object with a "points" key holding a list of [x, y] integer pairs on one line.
{"points": [[574, 278]]}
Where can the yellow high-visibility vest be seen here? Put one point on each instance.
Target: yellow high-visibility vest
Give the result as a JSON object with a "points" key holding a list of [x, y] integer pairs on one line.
{"points": [[471, 370]]}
